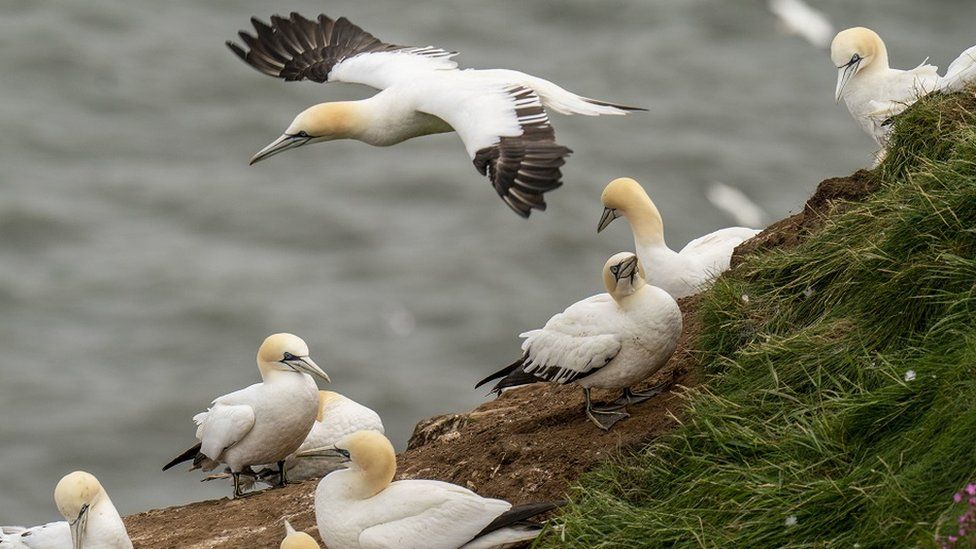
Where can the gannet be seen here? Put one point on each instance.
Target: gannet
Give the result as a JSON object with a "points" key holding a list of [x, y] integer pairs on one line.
{"points": [[91, 521], [797, 17], [608, 341], [735, 203], [265, 422], [338, 416], [499, 114], [297, 540], [682, 273], [360, 507], [874, 92]]}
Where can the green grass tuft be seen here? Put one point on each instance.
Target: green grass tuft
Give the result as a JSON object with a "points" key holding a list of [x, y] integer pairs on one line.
{"points": [[806, 411]]}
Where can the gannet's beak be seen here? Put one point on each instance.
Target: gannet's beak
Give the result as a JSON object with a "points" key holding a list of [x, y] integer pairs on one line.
{"points": [[324, 452], [627, 268], [609, 214], [282, 144], [844, 75], [78, 528], [305, 365]]}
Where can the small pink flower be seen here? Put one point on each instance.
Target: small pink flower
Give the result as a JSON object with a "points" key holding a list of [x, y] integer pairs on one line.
{"points": [[952, 539], [972, 500], [957, 497], [971, 489]]}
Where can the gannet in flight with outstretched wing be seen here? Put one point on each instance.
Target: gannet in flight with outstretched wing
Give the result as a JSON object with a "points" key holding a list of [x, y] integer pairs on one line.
{"points": [[91, 520], [499, 114], [681, 273], [362, 508], [608, 341], [263, 423], [875, 92]]}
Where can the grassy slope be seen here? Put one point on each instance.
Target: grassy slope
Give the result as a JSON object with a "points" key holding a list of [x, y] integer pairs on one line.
{"points": [[806, 411]]}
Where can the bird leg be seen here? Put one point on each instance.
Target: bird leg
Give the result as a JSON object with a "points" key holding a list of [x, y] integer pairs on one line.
{"points": [[636, 397], [237, 485], [604, 417], [282, 476]]}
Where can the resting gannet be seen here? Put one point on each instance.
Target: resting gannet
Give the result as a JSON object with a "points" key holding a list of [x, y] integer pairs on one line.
{"points": [[338, 416], [92, 521], [683, 273], [265, 422], [361, 508], [499, 114], [608, 341], [297, 540], [874, 92]]}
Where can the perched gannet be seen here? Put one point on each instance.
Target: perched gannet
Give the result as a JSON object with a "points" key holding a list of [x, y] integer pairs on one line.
{"points": [[265, 422], [360, 507], [681, 273], [499, 114], [797, 17], [338, 417], [608, 341], [874, 92], [297, 540], [92, 521]]}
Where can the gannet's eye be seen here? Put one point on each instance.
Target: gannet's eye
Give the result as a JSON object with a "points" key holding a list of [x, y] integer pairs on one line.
{"points": [[302, 133], [289, 356], [343, 453], [614, 269], [855, 58]]}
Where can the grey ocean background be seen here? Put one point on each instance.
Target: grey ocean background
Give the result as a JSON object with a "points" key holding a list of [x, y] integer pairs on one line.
{"points": [[142, 261]]}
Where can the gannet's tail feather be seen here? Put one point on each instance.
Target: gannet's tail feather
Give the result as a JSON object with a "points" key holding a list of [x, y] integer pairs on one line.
{"points": [[512, 526], [188, 455], [961, 72], [558, 98], [511, 376]]}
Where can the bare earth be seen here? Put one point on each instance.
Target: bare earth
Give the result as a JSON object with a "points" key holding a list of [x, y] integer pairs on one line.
{"points": [[528, 445]]}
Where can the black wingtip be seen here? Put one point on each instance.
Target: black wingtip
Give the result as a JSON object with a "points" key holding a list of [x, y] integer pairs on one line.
{"points": [[238, 51], [185, 456]]}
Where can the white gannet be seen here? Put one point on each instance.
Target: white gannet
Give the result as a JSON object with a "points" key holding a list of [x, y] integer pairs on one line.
{"points": [[338, 417], [499, 114], [797, 17], [297, 540], [91, 520], [607, 341], [682, 273], [735, 203], [265, 422], [874, 92], [360, 507]]}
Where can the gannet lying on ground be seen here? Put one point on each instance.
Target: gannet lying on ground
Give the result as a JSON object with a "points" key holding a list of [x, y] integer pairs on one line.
{"points": [[92, 521], [360, 507], [297, 540], [683, 273], [265, 422], [499, 114], [874, 92], [338, 417], [608, 341]]}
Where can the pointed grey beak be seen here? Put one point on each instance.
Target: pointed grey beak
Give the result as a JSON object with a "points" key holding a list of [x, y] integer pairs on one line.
{"points": [[627, 268], [609, 214], [282, 144], [330, 452], [844, 75], [78, 528], [305, 365]]}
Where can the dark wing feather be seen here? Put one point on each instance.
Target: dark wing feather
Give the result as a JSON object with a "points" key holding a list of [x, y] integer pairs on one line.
{"points": [[519, 515]]}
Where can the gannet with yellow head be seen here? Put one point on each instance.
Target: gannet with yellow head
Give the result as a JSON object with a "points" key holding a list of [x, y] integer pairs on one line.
{"points": [[681, 273], [91, 520], [265, 422], [609, 341], [297, 540], [874, 92], [361, 507], [500, 115]]}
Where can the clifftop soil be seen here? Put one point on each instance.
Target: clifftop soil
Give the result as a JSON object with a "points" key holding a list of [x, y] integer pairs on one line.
{"points": [[530, 444]]}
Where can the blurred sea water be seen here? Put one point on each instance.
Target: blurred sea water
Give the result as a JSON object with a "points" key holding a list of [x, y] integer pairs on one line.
{"points": [[142, 261]]}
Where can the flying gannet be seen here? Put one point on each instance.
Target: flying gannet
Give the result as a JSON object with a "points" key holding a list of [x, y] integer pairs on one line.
{"points": [[682, 273], [338, 416], [361, 508], [874, 92], [91, 521], [797, 17], [608, 341], [265, 422], [297, 540], [499, 114]]}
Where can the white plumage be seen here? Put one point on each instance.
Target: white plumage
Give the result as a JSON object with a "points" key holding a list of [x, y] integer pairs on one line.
{"points": [[874, 92], [682, 273], [265, 422], [360, 508], [797, 17], [500, 115]]}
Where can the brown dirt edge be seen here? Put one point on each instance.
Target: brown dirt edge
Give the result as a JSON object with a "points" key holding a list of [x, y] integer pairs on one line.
{"points": [[528, 445]]}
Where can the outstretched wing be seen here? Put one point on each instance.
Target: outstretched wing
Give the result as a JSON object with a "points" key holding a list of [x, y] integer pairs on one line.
{"points": [[222, 426], [507, 134], [333, 50], [574, 343]]}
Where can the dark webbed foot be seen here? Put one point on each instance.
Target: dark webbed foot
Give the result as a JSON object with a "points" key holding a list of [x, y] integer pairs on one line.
{"points": [[282, 475], [636, 397], [606, 416]]}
